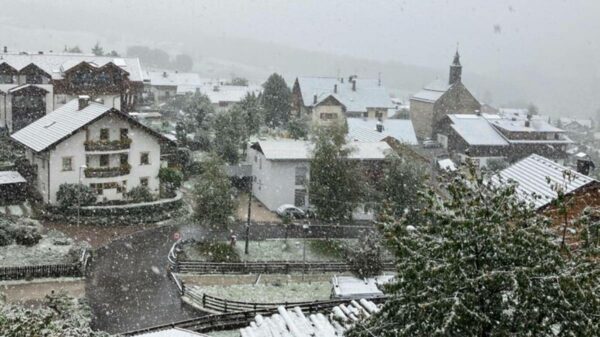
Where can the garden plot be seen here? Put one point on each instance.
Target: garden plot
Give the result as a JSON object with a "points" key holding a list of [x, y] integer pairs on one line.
{"points": [[277, 291], [270, 250], [53, 248]]}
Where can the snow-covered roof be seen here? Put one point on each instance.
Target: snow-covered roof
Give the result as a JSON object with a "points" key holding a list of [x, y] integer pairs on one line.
{"points": [[447, 164], [535, 125], [288, 149], [294, 323], [582, 122], [63, 122], [224, 93], [476, 130], [11, 177], [174, 332], [354, 287], [365, 130], [532, 174], [368, 94], [432, 91], [55, 64], [173, 78]]}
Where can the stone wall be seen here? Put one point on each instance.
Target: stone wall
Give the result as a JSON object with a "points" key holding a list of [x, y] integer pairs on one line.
{"points": [[421, 114]]}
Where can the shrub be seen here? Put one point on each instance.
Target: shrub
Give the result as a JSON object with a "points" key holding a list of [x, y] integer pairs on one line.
{"points": [[366, 259], [27, 236], [139, 194], [170, 180], [6, 236], [217, 252], [68, 194]]}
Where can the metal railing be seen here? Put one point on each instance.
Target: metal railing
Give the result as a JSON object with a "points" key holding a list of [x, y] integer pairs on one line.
{"points": [[267, 267], [234, 320]]}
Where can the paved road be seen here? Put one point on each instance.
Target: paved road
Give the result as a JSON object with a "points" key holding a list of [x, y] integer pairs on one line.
{"points": [[127, 285]]}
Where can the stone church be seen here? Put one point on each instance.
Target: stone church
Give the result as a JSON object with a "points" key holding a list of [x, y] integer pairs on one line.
{"points": [[429, 106]]}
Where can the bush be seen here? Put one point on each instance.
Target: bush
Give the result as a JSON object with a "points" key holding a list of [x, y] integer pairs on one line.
{"points": [[68, 194], [366, 259], [170, 180], [139, 194], [6, 236], [27, 236], [217, 252]]}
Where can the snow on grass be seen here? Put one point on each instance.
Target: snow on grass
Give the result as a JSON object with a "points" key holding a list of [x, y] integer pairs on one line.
{"points": [[226, 333], [277, 291], [279, 250], [53, 248]]}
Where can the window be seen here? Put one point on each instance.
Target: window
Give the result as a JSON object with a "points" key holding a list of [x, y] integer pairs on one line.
{"points": [[301, 175], [144, 158], [328, 116], [124, 159], [104, 135], [67, 164], [300, 198], [124, 134], [365, 114], [104, 160], [144, 181], [255, 158], [6, 79], [378, 114], [97, 187]]}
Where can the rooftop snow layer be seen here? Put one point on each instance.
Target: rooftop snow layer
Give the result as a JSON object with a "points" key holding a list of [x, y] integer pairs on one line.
{"points": [[476, 130], [288, 149], [365, 130]]}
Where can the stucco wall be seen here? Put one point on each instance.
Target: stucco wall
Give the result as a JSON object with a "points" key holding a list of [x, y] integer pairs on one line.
{"points": [[74, 147]]}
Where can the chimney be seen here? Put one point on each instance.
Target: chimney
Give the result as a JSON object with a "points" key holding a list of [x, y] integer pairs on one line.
{"points": [[164, 74], [335, 88], [379, 126], [315, 99], [40, 52], [353, 85], [84, 101], [478, 112], [341, 80], [5, 49]]}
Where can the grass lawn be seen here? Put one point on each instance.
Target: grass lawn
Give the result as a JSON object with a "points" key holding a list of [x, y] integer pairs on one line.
{"points": [[278, 291], [279, 250]]}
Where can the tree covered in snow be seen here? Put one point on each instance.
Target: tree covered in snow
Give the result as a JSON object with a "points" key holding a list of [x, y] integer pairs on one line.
{"points": [[366, 258], [253, 113], [59, 315], [276, 100], [481, 263], [231, 134], [213, 193], [402, 179], [334, 184]]}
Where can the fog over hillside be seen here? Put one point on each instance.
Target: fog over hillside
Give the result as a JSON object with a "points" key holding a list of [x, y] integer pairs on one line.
{"points": [[513, 52]]}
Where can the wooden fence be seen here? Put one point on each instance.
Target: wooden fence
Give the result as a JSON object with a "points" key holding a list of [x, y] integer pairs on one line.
{"points": [[235, 320], [76, 269]]}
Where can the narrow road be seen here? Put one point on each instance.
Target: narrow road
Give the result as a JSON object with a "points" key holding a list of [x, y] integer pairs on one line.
{"points": [[127, 284]]}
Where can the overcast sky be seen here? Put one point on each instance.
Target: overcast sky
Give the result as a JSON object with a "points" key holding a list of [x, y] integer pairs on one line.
{"points": [[559, 39]]}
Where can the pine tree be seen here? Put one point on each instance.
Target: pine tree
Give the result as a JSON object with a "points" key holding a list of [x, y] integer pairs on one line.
{"points": [[481, 264], [276, 100], [334, 184], [401, 180], [214, 202], [231, 134], [98, 50], [253, 113]]}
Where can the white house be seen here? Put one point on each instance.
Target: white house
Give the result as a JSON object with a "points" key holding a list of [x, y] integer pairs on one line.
{"points": [[281, 168], [108, 150]]}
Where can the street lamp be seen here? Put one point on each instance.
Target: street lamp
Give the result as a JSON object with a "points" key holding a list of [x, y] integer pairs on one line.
{"points": [[79, 193]]}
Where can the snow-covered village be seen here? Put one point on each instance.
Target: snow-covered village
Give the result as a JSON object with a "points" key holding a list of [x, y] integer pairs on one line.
{"points": [[276, 168]]}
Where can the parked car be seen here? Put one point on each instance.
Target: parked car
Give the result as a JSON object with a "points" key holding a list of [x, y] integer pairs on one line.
{"points": [[290, 211]]}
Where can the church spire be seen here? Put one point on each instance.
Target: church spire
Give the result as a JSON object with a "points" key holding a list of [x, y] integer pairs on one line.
{"points": [[455, 69]]}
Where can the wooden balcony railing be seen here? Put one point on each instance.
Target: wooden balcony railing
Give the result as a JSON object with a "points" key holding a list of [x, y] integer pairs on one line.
{"points": [[99, 145], [107, 172]]}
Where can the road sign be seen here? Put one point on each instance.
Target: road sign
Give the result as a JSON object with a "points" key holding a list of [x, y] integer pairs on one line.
{"points": [[176, 236]]}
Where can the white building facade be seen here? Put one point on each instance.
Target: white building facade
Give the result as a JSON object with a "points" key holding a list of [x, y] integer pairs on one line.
{"points": [[104, 148]]}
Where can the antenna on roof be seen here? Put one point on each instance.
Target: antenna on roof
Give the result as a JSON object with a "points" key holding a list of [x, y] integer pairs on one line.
{"points": [[379, 79]]}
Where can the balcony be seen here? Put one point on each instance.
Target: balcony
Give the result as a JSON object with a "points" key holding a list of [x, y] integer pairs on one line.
{"points": [[113, 145], [107, 172]]}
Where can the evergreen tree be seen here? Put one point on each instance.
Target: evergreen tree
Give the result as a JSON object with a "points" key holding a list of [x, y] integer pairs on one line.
{"points": [[334, 184], [98, 50], [298, 127], [254, 114], [481, 264], [230, 134], [399, 184], [214, 202], [276, 101], [196, 109]]}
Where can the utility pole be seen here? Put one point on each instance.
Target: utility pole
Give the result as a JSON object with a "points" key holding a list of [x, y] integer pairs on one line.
{"points": [[249, 214]]}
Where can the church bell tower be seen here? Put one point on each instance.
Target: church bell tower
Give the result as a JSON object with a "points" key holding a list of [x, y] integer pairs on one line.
{"points": [[455, 70]]}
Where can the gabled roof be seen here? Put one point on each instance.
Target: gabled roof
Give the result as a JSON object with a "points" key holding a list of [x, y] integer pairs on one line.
{"points": [[172, 78], [535, 125], [432, 91], [476, 130], [288, 149], [365, 130], [28, 87], [55, 64], [368, 94], [65, 121], [531, 175]]}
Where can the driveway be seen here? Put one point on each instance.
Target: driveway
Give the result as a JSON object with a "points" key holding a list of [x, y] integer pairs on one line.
{"points": [[127, 284]]}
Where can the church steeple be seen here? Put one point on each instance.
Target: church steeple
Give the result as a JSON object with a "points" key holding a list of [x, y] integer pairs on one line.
{"points": [[455, 70]]}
